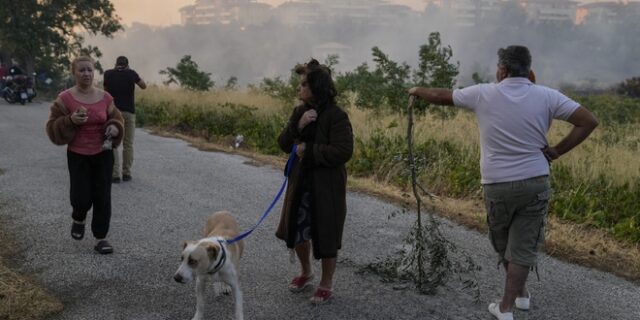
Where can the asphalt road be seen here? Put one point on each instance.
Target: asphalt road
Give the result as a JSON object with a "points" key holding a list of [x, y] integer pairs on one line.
{"points": [[175, 187]]}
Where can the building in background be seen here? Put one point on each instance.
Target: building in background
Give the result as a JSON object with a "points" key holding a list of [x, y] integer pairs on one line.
{"points": [[598, 13], [245, 12], [295, 13], [607, 13], [550, 11], [469, 13], [464, 13], [299, 13]]}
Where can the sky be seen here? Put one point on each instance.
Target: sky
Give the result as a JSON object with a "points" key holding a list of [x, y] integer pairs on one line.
{"points": [[165, 12]]}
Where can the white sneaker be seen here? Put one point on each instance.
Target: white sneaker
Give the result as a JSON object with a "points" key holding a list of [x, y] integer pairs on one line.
{"points": [[494, 308], [524, 303]]}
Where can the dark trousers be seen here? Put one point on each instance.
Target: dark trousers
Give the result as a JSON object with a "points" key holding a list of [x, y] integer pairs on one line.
{"points": [[91, 187]]}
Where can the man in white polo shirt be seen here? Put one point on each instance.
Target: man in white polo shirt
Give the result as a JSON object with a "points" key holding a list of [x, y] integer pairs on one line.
{"points": [[513, 117]]}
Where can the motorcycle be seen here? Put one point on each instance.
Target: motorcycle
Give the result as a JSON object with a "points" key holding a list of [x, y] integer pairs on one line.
{"points": [[18, 88]]}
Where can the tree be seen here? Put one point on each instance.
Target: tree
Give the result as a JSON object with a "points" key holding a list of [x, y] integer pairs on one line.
{"points": [[50, 31], [435, 71], [232, 82], [187, 75], [385, 86], [630, 87]]}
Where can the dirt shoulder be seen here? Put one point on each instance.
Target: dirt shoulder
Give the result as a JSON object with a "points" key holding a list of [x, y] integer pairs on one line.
{"points": [[566, 241], [21, 298]]}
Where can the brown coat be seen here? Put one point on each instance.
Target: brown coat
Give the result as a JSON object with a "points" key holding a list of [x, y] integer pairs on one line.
{"points": [[62, 131], [328, 148]]}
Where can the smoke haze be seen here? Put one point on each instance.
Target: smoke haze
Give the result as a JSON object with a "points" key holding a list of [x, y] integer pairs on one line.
{"points": [[596, 55]]}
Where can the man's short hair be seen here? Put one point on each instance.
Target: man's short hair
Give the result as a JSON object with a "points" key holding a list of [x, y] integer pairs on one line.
{"points": [[122, 61], [516, 59]]}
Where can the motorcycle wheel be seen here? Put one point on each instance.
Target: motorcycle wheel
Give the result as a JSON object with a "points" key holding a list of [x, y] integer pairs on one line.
{"points": [[23, 101], [9, 98]]}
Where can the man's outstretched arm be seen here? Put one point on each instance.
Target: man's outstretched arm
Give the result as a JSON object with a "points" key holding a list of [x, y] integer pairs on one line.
{"points": [[433, 95]]}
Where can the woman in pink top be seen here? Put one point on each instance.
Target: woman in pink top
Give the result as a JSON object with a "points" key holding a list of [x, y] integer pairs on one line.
{"points": [[86, 120]]}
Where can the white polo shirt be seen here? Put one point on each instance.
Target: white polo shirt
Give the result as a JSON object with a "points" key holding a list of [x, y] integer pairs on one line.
{"points": [[514, 117]]}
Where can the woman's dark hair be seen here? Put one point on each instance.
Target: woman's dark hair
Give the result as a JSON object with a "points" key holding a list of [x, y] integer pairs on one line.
{"points": [[516, 59], [319, 81]]}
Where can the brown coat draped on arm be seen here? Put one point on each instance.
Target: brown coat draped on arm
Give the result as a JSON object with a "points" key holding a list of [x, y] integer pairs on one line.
{"points": [[61, 130]]}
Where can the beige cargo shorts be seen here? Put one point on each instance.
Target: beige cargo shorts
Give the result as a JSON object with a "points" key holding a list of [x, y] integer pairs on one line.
{"points": [[516, 215]]}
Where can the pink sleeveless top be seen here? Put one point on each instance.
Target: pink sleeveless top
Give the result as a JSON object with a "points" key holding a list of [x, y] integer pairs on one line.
{"points": [[90, 136]]}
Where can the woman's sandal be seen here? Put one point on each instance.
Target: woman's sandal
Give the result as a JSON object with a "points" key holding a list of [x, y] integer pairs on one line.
{"points": [[321, 296], [299, 283], [103, 247], [77, 230]]}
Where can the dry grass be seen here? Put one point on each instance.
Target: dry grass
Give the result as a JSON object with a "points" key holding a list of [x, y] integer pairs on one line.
{"points": [[176, 97], [462, 129], [617, 162], [590, 160], [20, 297]]}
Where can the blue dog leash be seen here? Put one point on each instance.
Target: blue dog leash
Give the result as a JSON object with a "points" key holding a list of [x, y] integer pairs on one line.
{"points": [[243, 235]]}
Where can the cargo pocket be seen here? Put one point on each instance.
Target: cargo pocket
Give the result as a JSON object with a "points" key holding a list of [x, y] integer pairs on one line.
{"points": [[539, 205], [498, 222], [542, 207]]}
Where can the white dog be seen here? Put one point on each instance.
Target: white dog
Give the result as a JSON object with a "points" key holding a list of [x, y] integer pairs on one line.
{"points": [[212, 256]]}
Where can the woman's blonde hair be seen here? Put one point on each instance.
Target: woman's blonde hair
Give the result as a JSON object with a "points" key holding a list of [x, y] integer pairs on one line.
{"points": [[80, 59]]}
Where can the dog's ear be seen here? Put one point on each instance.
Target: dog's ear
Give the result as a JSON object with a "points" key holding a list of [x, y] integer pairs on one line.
{"points": [[186, 243], [212, 251]]}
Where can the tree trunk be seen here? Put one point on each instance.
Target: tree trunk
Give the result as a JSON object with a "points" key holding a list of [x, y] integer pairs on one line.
{"points": [[29, 65]]}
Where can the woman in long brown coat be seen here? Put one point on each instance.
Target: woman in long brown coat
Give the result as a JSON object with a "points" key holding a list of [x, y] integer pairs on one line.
{"points": [[315, 207]]}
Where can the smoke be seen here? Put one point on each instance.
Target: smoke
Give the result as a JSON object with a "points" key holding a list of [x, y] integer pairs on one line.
{"points": [[594, 55]]}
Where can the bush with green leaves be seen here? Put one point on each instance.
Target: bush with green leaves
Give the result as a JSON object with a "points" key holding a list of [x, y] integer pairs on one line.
{"points": [[277, 88], [187, 75], [630, 87], [612, 109], [450, 168], [384, 86], [215, 122]]}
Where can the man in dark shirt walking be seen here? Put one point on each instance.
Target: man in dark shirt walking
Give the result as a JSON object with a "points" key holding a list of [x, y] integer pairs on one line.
{"points": [[120, 83]]}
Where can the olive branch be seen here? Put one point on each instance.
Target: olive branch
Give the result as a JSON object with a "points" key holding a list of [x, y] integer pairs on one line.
{"points": [[428, 260]]}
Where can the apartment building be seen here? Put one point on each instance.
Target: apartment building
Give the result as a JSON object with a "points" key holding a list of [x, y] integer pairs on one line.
{"points": [[373, 12], [246, 12], [607, 13], [300, 13], [295, 13], [598, 13], [550, 11], [469, 13]]}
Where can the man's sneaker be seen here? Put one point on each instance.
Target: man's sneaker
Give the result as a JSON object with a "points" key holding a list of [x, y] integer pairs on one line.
{"points": [[524, 303], [494, 308], [115, 180], [126, 177]]}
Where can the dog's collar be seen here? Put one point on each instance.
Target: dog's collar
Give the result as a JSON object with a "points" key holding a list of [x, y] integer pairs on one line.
{"points": [[223, 258]]}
